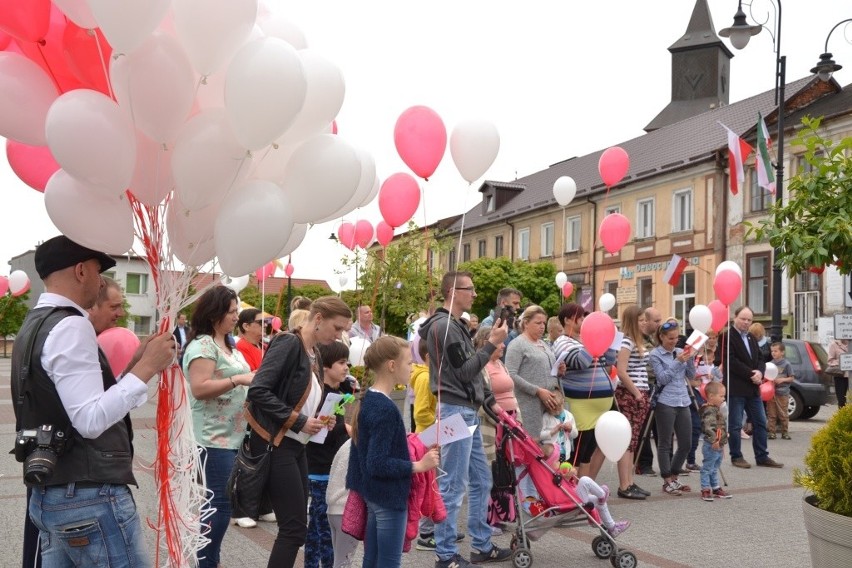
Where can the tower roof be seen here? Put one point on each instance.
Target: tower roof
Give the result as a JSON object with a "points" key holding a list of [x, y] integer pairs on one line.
{"points": [[700, 32]]}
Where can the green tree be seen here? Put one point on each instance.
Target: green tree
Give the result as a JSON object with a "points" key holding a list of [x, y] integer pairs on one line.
{"points": [[814, 228], [536, 281], [13, 310]]}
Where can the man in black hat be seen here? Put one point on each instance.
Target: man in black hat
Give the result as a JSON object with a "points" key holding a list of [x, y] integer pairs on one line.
{"points": [[74, 431]]}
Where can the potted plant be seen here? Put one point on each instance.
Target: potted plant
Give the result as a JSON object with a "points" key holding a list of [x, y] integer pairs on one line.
{"points": [[828, 478]]}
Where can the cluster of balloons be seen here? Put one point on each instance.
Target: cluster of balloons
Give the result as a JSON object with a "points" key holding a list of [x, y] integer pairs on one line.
{"points": [[17, 283], [727, 284]]}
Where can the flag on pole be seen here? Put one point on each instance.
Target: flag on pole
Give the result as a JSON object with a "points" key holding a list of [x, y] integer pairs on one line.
{"points": [[676, 267], [738, 152], [765, 175]]}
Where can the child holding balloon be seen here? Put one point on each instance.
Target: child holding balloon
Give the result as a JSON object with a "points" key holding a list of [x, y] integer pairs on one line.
{"points": [[776, 409]]}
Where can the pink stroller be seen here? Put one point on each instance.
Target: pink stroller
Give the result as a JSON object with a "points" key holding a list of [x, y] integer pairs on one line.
{"points": [[561, 506]]}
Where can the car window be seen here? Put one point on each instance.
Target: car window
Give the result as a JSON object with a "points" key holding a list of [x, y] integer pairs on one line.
{"points": [[792, 354]]}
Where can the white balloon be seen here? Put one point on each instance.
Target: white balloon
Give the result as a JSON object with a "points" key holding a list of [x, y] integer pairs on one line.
{"points": [[78, 11], [612, 433], [321, 177], [377, 185], [253, 225], [561, 279], [357, 348], [265, 89], [210, 91], [126, 24], [156, 84], [207, 160], [278, 26], [297, 235], [152, 177], [366, 184], [474, 145], [323, 97], [237, 284], [701, 318], [87, 217], [270, 163], [18, 282], [564, 190], [343, 280], [191, 232], [212, 30], [729, 265], [606, 302], [27, 96], [771, 372], [93, 140]]}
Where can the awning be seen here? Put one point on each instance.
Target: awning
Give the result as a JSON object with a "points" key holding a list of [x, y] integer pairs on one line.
{"points": [[247, 306]]}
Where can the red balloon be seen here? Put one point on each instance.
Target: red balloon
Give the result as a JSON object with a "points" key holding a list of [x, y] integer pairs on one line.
{"points": [[421, 140], [363, 233], [288, 270], [767, 391], [86, 63], [346, 235], [384, 233], [567, 290], [265, 271], [27, 20], [614, 232], [720, 315], [5, 40], [49, 54], [399, 197], [276, 323], [613, 165], [33, 164], [118, 344], [597, 333], [727, 286], [4, 285]]}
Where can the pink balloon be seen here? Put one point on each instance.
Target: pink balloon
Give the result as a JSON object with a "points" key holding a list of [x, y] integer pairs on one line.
{"points": [[421, 140], [384, 233], [727, 286], [613, 165], [720, 316], [398, 199], [597, 333], [346, 235], [26, 21], [363, 233], [48, 52], [265, 271], [22, 290], [767, 391], [33, 164], [5, 40], [288, 270], [567, 290], [334, 127], [276, 324], [118, 344], [4, 285], [85, 61], [614, 232]]}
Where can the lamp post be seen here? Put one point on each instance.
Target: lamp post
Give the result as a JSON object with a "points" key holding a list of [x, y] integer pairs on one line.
{"points": [[740, 33], [826, 65]]}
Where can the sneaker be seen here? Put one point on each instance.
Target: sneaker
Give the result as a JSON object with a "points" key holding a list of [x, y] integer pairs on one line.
{"points": [[683, 488], [631, 493], [706, 495], [770, 436], [743, 435], [618, 527], [671, 489], [425, 543], [268, 518], [245, 522], [638, 489], [693, 467], [496, 554], [786, 436], [456, 561], [720, 493]]}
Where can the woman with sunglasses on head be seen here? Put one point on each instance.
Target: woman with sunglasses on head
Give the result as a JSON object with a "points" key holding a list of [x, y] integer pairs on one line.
{"points": [[673, 367]]}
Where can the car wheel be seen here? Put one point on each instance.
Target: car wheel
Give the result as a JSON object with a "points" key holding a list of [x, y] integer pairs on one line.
{"points": [[809, 412], [796, 406]]}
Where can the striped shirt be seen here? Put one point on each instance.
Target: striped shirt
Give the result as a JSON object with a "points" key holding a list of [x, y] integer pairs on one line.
{"points": [[637, 365]]}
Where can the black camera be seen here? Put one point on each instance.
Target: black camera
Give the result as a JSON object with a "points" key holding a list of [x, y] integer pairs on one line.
{"points": [[38, 449], [507, 314]]}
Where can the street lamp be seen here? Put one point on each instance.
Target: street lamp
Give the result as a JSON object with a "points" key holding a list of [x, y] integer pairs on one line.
{"points": [[740, 33], [826, 65]]}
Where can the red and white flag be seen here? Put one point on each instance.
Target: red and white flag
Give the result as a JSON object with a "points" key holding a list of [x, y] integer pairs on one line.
{"points": [[676, 267], [738, 152]]}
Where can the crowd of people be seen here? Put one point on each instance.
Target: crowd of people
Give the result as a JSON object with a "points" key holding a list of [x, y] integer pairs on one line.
{"points": [[267, 392]]}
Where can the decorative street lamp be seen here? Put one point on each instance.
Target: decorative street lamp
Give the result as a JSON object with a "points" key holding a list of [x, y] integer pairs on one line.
{"points": [[826, 65]]}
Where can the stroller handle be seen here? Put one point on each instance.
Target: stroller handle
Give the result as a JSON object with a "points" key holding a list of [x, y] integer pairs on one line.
{"points": [[487, 408]]}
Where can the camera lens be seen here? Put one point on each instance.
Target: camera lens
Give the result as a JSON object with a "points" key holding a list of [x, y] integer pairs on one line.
{"points": [[39, 466]]}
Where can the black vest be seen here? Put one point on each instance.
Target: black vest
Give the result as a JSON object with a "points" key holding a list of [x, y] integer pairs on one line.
{"points": [[105, 459]]}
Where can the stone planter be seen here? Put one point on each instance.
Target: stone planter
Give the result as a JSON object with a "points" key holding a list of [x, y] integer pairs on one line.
{"points": [[829, 536]]}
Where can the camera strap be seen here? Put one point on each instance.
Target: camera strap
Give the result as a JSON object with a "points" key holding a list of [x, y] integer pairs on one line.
{"points": [[26, 361]]}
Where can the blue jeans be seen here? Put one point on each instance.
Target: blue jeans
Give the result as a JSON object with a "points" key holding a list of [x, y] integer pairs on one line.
{"points": [[710, 466], [318, 547], [88, 526], [384, 536], [756, 414], [218, 463], [466, 468]]}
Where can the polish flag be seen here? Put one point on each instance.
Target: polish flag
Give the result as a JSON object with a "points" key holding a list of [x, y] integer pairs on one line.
{"points": [[676, 267]]}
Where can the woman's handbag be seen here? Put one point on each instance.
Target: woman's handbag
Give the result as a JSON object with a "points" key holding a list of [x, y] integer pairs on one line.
{"points": [[834, 371], [247, 482], [354, 516]]}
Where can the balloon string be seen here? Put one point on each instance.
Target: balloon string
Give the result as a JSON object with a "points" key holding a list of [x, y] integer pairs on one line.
{"points": [[94, 34], [426, 250], [39, 48]]}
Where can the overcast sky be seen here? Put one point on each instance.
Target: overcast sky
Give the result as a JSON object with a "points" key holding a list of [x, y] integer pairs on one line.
{"points": [[557, 78]]}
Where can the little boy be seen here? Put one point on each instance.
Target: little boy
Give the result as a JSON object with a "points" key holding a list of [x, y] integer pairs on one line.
{"points": [[715, 437], [776, 409]]}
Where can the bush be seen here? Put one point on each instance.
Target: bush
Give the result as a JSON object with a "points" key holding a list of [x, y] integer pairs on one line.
{"points": [[828, 465]]}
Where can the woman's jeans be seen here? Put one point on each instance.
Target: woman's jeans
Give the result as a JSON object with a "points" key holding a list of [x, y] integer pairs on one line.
{"points": [[672, 420], [218, 463], [384, 536]]}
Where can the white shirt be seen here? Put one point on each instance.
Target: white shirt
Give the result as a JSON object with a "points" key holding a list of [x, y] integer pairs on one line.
{"points": [[70, 358], [309, 409]]}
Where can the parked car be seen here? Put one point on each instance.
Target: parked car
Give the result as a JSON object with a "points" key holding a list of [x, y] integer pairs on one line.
{"points": [[811, 387]]}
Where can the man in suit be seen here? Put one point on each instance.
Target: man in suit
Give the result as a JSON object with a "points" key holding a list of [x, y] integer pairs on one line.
{"points": [[181, 334], [743, 366]]}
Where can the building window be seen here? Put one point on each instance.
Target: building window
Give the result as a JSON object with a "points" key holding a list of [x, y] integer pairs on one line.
{"points": [[758, 268], [451, 262], [612, 288], [572, 234], [466, 252], [645, 292], [498, 246], [645, 219], [142, 325], [109, 274], [489, 203], [481, 246], [136, 284], [612, 209], [524, 244], [759, 198], [547, 233], [808, 282], [684, 296], [682, 210], [430, 258]]}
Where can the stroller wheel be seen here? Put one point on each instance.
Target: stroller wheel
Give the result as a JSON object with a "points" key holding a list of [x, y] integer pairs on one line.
{"points": [[623, 559], [522, 558], [602, 547], [516, 541]]}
